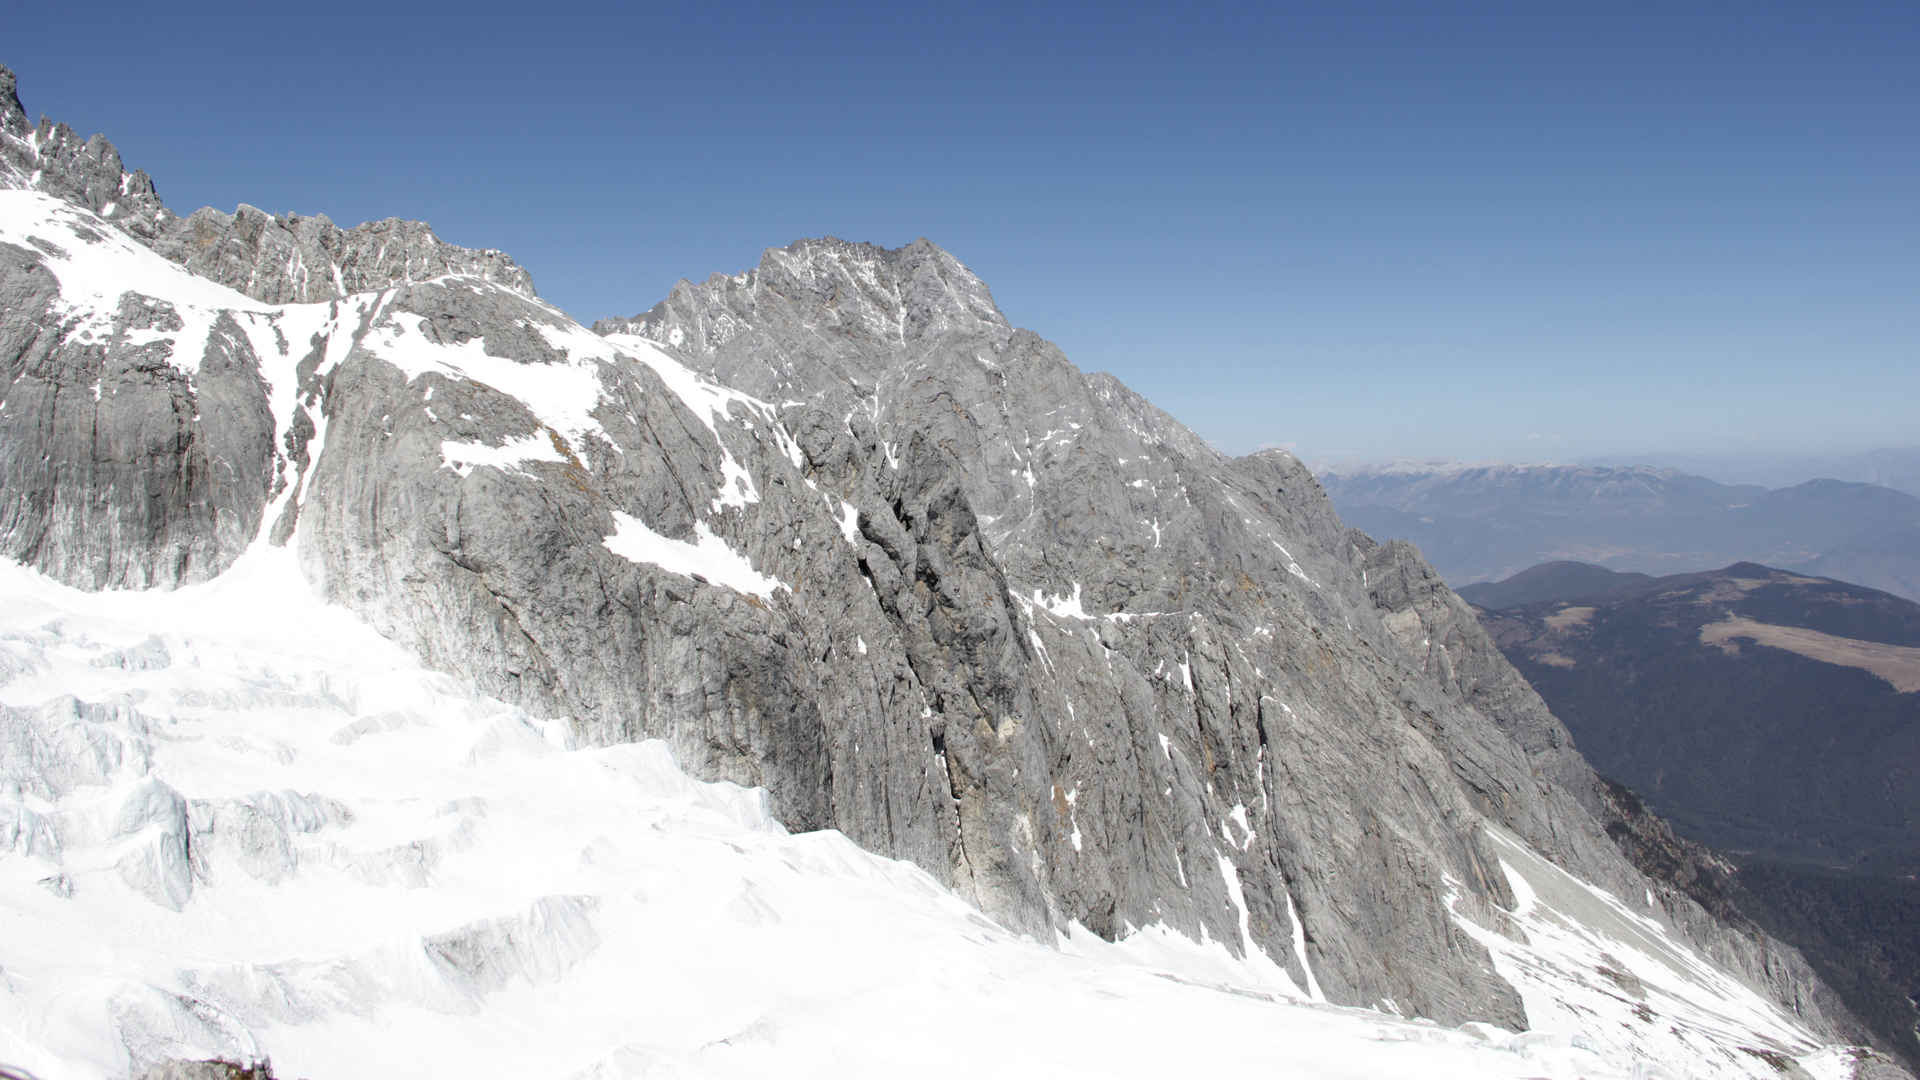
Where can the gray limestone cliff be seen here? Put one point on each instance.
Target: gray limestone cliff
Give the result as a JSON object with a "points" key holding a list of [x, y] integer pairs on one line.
{"points": [[116, 468], [1294, 641], [833, 527], [290, 259]]}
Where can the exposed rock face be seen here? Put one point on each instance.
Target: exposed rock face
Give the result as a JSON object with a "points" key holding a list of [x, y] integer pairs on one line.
{"points": [[120, 464], [933, 586], [54, 158], [207, 1070], [290, 259], [1264, 670]]}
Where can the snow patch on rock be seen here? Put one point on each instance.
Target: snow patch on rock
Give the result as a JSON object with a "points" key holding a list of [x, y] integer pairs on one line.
{"points": [[1593, 971], [707, 556]]}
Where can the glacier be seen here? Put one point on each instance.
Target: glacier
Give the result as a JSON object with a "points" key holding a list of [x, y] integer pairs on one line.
{"points": [[246, 826]]}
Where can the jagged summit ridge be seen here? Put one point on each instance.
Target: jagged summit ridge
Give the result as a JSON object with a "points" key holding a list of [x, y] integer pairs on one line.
{"points": [[277, 260], [831, 300], [293, 259], [54, 158]]}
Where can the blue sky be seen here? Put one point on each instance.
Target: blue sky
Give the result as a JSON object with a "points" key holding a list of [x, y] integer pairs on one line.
{"points": [[1524, 232]]}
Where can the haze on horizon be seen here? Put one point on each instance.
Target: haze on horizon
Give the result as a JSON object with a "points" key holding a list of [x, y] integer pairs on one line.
{"points": [[1490, 234]]}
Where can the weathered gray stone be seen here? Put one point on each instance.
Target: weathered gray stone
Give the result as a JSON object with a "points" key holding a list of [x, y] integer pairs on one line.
{"points": [[1323, 669], [53, 158], [118, 467], [293, 259], [207, 1070]]}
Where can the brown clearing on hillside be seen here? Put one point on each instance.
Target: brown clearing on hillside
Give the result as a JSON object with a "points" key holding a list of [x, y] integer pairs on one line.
{"points": [[1730, 590], [1569, 617], [1897, 664]]}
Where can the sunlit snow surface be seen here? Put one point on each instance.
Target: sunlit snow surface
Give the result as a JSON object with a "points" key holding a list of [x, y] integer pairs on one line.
{"points": [[1590, 967], [706, 555], [96, 264], [404, 878]]}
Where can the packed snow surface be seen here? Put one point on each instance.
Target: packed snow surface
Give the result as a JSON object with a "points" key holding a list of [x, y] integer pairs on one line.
{"points": [[707, 556], [239, 823], [96, 265], [1591, 968], [562, 396]]}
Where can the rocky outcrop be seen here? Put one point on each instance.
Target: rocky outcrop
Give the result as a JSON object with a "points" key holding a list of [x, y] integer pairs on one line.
{"points": [[820, 318], [121, 462], [87, 172], [1126, 530], [291, 259]]}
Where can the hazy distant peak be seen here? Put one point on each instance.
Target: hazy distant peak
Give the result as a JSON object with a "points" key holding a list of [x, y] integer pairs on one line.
{"points": [[1441, 467], [1392, 467], [1415, 467]]}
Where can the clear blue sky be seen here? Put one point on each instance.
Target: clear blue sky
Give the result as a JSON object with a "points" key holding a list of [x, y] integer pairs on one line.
{"points": [[1512, 232]]}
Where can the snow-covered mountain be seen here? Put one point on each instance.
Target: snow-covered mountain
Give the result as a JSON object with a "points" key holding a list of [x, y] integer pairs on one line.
{"points": [[829, 530]]}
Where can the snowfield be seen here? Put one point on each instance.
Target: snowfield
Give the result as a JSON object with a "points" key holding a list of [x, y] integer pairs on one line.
{"points": [[238, 823]]}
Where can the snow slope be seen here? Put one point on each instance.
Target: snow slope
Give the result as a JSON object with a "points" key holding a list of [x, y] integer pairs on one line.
{"points": [[239, 823], [1591, 968], [96, 264]]}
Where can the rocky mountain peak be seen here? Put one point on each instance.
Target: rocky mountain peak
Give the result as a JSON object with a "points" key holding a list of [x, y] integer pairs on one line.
{"points": [[13, 118], [850, 297], [53, 158], [921, 271]]}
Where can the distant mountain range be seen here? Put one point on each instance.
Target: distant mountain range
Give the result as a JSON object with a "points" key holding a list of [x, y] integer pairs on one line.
{"points": [[1897, 467], [1766, 713], [1548, 582], [1482, 523]]}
